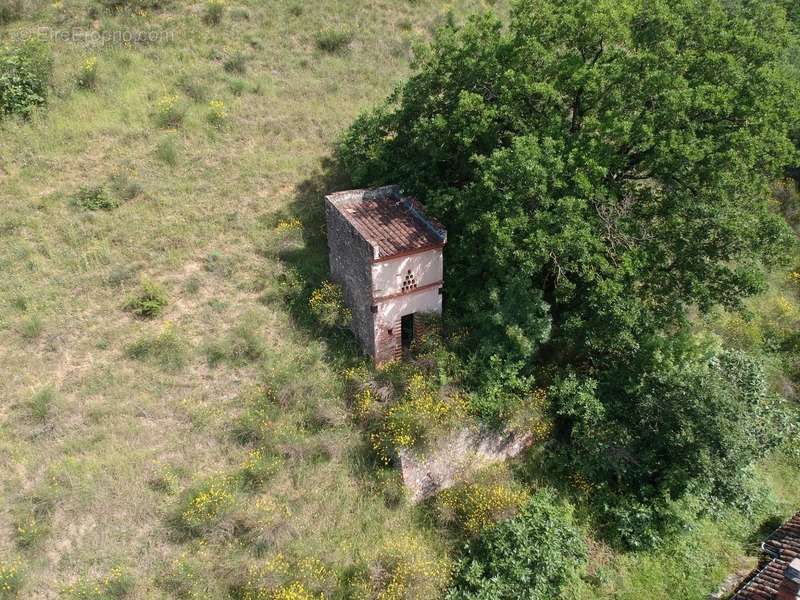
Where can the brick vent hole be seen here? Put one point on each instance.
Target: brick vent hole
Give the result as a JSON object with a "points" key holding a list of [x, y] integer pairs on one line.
{"points": [[409, 282]]}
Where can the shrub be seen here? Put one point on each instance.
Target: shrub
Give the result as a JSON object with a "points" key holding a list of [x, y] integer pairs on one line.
{"points": [[253, 427], [170, 111], [10, 10], [25, 72], [94, 198], [412, 421], [474, 507], [536, 555], [235, 63], [10, 580], [283, 577], [258, 468], [217, 113], [213, 12], [166, 152], [148, 301], [334, 41], [327, 305], [166, 349], [87, 75], [237, 86], [205, 505], [708, 416]]}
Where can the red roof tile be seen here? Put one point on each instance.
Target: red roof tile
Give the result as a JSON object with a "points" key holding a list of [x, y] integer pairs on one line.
{"points": [[780, 549], [389, 222]]}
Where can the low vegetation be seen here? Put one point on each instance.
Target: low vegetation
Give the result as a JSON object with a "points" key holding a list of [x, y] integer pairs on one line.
{"points": [[184, 409], [148, 300], [537, 554], [594, 254], [25, 72]]}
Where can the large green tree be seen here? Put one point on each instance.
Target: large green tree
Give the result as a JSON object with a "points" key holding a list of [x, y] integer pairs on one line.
{"points": [[604, 169], [608, 161]]}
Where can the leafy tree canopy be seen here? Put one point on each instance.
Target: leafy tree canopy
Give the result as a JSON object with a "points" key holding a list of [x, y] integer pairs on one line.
{"points": [[684, 417], [606, 163], [603, 168], [537, 555]]}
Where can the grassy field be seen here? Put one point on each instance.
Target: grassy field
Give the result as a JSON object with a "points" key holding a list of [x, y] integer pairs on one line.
{"points": [[127, 444]]}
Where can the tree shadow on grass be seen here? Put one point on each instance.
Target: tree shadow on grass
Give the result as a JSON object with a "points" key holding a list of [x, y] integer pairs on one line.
{"points": [[308, 261], [752, 544]]}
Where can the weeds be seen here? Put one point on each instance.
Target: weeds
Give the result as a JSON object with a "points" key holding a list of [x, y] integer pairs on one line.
{"points": [[242, 345], [30, 531], [117, 584], [10, 10], [192, 86], [164, 480], [166, 152], [217, 263], [32, 522], [121, 274], [411, 422], [41, 404], [170, 112], [327, 305], [217, 113], [474, 507], [10, 580], [124, 188], [213, 12], [166, 349], [235, 63], [237, 86], [253, 427], [334, 41], [134, 6], [87, 75], [94, 198], [205, 505], [148, 301], [258, 467], [31, 327]]}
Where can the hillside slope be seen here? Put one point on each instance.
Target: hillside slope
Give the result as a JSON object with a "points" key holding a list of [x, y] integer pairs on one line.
{"points": [[121, 437]]}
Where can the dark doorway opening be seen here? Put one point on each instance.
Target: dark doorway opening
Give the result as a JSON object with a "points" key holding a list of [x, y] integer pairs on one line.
{"points": [[407, 330]]}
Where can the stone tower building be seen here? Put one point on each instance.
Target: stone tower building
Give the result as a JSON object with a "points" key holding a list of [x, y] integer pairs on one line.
{"points": [[387, 257]]}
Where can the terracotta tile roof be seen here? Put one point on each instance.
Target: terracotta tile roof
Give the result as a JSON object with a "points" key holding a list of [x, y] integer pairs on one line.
{"points": [[391, 223], [780, 549]]}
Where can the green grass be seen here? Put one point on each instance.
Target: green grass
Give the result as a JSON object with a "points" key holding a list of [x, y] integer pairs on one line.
{"points": [[42, 402], [144, 415]]}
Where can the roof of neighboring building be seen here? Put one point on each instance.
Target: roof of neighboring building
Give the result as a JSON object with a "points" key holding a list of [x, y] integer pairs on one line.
{"points": [[780, 549], [390, 222]]}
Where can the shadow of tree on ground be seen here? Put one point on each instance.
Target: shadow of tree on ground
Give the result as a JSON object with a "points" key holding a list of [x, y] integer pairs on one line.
{"points": [[308, 261]]}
